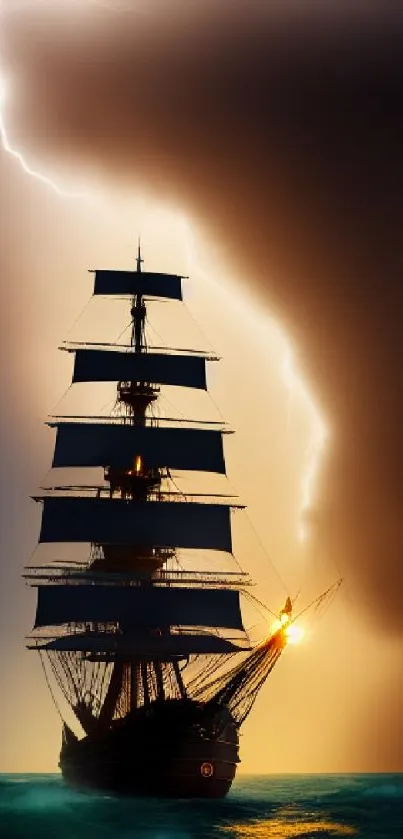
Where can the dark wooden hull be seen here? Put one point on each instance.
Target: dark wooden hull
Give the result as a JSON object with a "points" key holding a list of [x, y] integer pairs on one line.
{"points": [[156, 755]]}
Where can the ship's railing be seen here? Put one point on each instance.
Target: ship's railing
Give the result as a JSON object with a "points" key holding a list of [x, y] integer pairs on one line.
{"points": [[87, 491], [71, 346], [123, 419], [112, 628], [83, 576]]}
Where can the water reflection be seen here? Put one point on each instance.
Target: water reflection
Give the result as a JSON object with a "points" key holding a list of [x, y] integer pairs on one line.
{"points": [[283, 828]]}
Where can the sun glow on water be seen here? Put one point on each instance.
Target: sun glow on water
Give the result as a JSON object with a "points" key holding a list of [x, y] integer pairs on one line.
{"points": [[282, 829]]}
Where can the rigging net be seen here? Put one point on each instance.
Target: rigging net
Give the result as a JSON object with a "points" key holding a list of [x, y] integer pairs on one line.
{"points": [[237, 689]]}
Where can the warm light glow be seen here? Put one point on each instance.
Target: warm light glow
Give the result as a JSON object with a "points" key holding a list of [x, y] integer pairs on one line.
{"points": [[280, 622], [292, 633], [138, 464]]}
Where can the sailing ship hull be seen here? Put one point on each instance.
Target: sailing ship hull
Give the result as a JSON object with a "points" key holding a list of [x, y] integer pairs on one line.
{"points": [[155, 756]]}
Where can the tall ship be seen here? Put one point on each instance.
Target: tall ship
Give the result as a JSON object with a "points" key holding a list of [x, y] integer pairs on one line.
{"points": [[147, 653]]}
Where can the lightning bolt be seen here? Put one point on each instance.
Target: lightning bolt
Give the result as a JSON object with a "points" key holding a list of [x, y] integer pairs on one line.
{"points": [[4, 138], [17, 155], [297, 387], [295, 384]]}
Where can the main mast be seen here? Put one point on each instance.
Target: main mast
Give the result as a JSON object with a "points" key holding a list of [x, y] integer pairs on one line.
{"points": [[136, 397], [138, 313], [130, 680]]}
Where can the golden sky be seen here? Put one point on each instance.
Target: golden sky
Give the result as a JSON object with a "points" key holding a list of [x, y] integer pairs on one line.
{"points": [[332, 703]]}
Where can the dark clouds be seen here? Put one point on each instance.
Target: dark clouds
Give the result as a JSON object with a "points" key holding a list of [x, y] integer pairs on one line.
{"points": [[283, 136]]}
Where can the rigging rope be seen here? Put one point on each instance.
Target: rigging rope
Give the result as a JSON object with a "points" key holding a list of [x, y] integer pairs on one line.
{"points": [[267, 555], [49, 685], [79, 316], [128, 325], [56, 405], [198, 327]]}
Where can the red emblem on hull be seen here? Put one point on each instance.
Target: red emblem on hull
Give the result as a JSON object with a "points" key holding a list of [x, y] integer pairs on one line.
{"points": [[207, 770]]}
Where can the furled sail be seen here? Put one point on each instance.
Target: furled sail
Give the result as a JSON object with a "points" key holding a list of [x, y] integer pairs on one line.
{"points": [[162, 368], [146, 283], [116, 445], [138, 606], [140, 523]]}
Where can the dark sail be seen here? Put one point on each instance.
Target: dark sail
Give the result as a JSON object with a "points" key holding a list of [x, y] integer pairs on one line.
{"points": [[117, 444], [164, 369], [142, 523], [138, 606], [144, 283]]}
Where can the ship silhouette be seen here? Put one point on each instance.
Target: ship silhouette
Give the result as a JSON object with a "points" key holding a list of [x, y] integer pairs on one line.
{"points": [[153, 660]]}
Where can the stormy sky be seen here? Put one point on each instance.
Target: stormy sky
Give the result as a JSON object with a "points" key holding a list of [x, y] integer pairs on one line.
{"points": [[278, 127]]}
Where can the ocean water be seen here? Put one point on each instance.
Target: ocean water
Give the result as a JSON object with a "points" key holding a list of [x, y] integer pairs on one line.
{"points": [[258, 807]]}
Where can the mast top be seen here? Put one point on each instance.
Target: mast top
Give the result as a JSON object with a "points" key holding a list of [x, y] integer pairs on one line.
{"points": [[139, 259]]}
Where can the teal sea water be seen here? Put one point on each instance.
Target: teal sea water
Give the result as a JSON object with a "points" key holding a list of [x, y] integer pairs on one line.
{"points": [[258, 807]]}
